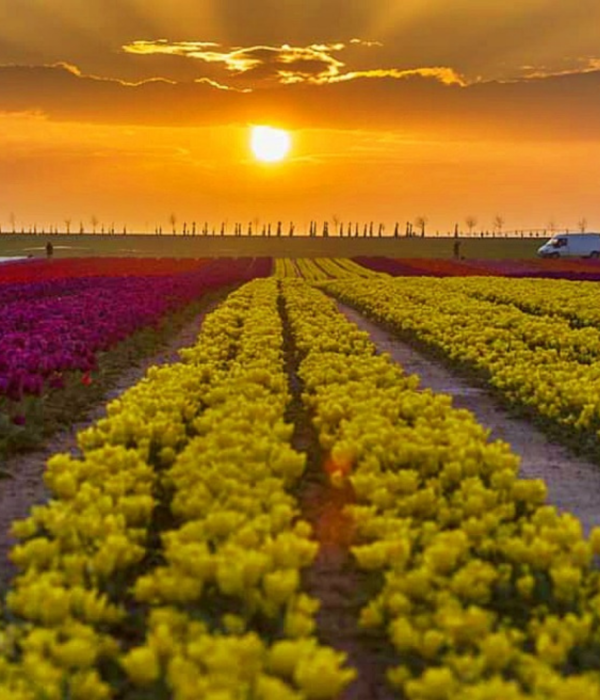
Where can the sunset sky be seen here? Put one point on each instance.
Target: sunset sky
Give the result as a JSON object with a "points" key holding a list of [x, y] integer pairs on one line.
{"points": [[130, 111]]}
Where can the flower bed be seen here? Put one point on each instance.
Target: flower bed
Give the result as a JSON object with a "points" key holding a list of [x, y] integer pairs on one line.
{"points": [[577, 302], [539, 363], [169, 562], [197, 458], [52, 334], [553, 269], [484, 591], [320, 269], [38, 270]]}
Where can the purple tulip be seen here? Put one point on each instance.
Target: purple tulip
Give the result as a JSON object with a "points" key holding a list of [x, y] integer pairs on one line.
{"points": [[51, 327]]}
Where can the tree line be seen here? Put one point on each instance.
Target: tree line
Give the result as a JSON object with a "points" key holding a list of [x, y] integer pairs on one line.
{"points": [[324, 229]]}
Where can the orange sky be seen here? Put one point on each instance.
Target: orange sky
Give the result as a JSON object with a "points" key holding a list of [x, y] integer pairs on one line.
{"points": [[134, 110]]}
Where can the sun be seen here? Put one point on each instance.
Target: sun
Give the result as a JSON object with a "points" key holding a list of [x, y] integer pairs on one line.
{"points": [[269, 145]]}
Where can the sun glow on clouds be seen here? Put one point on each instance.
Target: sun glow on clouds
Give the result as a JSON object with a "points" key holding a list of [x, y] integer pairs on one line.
{"points": [[314, 64]]}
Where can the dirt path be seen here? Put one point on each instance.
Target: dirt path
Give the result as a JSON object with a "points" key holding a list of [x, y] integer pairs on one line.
{"points": [[573, 482], [24, 487], [333, 578]]}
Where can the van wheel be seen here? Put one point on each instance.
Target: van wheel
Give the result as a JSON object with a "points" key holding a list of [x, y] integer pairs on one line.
{"points": [[554, 255], [595, 254]]}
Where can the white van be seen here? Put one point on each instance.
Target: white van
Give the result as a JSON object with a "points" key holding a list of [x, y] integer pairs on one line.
{"points": [[571, 245]]}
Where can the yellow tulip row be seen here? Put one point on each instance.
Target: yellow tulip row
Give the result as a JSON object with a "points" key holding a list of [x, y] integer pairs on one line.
{"points": [[320, 269], [310, 270], [530, 309], [542, 364], [79, 550], [344, 267], [486, 592], [576, 301], [239, 546], [284, 267], [209, 433]]}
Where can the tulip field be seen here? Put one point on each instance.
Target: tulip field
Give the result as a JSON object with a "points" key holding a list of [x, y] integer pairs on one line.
{"points": [[59, 320], [190, 549]]}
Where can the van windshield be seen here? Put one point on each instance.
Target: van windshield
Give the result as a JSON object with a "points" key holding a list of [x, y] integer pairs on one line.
{"points": [[558, 242]]}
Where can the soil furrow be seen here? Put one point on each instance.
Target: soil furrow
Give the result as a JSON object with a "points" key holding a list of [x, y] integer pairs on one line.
{"points": [[334, 579]]}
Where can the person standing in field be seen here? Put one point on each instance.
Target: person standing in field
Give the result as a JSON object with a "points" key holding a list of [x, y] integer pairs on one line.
{"points": [[49, 250], [456, 249]]}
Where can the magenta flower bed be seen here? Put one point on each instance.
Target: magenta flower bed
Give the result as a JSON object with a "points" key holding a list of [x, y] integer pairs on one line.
{"points": [[564, 270], [389, 265], [47, 329]]}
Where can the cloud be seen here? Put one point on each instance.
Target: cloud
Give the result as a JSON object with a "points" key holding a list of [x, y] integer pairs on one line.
{"points": [[363, 42], [425, 102], [264, 66], [219, 86], [491, 39], [587, 64], [445, 75], [284, 64]]}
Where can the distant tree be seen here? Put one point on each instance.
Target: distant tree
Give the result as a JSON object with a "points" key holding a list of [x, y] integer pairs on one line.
{"points": [[498, 224], [80, 227], [94, 222], [551, 227], [582, 224], [292, 228], [420, 223], [13, 222], [68, 225], [471, 222], [173, 222], [336, 223]]}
